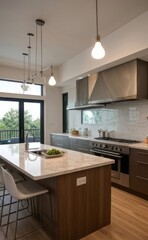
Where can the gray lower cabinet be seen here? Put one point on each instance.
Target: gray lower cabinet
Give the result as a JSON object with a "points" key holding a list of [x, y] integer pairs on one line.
{"points": [[75, 144], [138, 171], [80, 145], [60, 141]]}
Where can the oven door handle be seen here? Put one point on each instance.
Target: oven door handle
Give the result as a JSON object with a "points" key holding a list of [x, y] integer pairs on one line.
{"points": [[110, 154]]}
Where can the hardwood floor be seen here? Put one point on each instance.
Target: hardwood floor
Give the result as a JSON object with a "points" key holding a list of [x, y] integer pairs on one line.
{"points": [[129, 221]]}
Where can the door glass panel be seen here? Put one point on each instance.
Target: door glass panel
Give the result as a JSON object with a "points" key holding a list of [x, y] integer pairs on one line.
{"points": [[9, 122], [32, 120]]}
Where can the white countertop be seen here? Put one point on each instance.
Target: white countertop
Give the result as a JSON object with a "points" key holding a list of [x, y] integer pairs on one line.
{"points": [[38, 167], [141, 145]]}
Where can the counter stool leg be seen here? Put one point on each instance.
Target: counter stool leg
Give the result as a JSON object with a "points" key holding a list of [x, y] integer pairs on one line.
{"points": [[1, 215], [16, 220], [8, 220]]}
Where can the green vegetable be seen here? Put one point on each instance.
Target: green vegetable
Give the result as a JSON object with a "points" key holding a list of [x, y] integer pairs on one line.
{"points": [[53, 152]]}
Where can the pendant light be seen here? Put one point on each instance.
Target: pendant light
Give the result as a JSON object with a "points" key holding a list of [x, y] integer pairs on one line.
{"points": [[52, 80], [24, 85], [39, 23], [98, 51]]}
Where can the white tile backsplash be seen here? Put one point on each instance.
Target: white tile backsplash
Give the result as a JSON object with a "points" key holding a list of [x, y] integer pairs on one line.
{"points": [[122, 120]]}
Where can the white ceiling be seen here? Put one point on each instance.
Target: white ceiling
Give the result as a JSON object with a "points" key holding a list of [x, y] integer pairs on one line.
{"points": [[69, 26]]}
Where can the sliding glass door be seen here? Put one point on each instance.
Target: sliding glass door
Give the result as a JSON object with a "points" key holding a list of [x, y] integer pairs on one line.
{"points": [[18, 117]]}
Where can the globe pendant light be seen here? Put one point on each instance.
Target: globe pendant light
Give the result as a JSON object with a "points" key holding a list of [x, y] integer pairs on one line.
{"points": [[52, 80], [98, 51]]}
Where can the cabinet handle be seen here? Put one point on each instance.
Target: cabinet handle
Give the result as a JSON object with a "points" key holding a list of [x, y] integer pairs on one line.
{"points": [[143, 153], [145, 163], [146, 179]]}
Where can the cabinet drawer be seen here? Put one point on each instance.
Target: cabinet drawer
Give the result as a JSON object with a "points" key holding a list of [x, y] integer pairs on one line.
{"points": [[138, 173], [141, 169], [139, 184], [139, 155]]}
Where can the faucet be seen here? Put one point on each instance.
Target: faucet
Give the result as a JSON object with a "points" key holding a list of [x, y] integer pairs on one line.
{"points": [[27, 140]]}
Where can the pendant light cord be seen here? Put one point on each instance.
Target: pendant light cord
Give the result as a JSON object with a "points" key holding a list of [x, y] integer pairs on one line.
{"points": [[36, 53], [24, 63], [41, 53], [29, 54], [97, 18]]}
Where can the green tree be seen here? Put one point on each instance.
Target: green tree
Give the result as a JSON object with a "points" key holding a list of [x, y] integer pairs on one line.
{"points": [[10, 120]]}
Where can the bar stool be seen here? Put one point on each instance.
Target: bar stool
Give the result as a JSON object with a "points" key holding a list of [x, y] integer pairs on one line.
{"points": [[17, 178], [20, 191]]}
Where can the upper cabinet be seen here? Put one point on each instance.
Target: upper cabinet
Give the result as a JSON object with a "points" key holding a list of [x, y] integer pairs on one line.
{"points": [[82, 92]]}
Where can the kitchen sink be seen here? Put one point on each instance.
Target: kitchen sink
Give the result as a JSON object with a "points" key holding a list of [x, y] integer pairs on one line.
{"points": [[36, 151]]}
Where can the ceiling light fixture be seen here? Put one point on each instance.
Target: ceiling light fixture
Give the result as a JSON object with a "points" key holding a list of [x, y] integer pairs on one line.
{"points": [[52, 80], [98, 51]]}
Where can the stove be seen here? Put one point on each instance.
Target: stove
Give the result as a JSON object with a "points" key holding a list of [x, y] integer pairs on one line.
{"points": [[118, 150], [116, 145]]}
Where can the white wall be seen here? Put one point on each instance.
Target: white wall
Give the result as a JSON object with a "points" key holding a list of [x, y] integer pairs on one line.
{"points": [[53, 112], [126, 43]]}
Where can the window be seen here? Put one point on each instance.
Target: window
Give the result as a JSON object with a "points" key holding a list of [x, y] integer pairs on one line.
{"points": [[17, 117], [7, 86], [91, 116], [99, 116]]}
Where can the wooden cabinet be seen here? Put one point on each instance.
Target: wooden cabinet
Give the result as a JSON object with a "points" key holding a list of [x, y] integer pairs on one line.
{"points": [[77, 210], [138, 172], [82, 92], [60, 141], [80, 145]]}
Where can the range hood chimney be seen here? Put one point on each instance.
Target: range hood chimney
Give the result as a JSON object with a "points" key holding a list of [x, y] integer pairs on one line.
{"points": [[123, 82]]}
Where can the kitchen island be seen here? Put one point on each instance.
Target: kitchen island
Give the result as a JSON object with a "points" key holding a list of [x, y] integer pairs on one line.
{"points": [[79, 200]]}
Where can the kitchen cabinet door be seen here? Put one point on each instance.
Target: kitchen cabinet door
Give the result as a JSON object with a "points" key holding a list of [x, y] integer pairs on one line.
{"points": [[82, 92], [59, 141], [73, 144], [80, 145], [138, 171], [84, 146]]}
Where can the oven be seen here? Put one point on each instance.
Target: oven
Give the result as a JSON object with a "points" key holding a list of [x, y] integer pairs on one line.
{"points": [[120, 154]]}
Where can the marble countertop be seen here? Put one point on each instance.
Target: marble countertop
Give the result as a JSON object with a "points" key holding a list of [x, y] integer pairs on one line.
{"points": [[38, 167], [141, 145]]}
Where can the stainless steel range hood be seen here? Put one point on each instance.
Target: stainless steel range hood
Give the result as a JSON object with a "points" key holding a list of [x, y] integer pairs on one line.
{"points": [[123, 82]]}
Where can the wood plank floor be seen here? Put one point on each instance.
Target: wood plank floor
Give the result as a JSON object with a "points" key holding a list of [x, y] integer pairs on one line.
{"points": [[129, 221]]}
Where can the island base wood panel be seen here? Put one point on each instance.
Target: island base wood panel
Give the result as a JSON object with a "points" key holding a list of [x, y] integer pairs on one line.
{"points": [[77, 210]]}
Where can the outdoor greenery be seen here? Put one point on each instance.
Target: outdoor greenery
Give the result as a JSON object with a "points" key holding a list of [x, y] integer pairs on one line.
{"points": [[10, 123]]}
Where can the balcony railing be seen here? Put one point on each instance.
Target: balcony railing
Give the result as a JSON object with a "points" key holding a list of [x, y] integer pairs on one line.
{"points": [[12, 136]]}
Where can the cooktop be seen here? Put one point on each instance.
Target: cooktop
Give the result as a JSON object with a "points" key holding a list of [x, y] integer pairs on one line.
{"points": [[117, 140]]}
